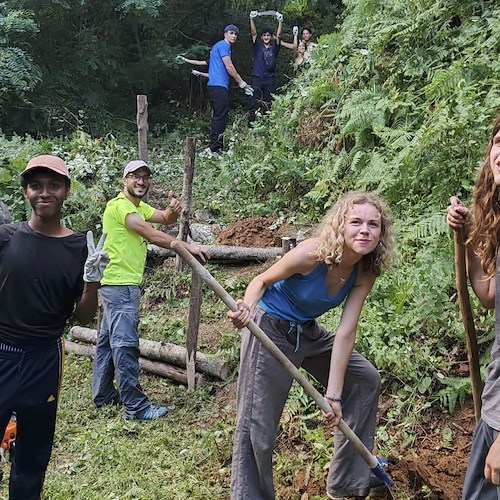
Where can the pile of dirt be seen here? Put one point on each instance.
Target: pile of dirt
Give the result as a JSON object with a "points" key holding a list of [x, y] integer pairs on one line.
{"points": [[439, 462], [251, 232]]}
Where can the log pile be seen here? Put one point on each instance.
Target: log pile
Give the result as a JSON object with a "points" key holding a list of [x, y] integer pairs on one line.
{"points": [[166, 360]]}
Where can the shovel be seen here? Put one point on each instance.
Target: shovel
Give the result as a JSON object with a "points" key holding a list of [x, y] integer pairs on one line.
{"points": [[266, 13], [257, 332]]}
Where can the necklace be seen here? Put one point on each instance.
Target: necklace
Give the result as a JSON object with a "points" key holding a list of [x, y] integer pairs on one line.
{"points": [[342, 280]]}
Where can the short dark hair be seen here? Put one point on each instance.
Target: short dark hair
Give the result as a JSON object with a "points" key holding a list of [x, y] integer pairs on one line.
{"points": [[263, 31], [308, 29], [25, 179]]}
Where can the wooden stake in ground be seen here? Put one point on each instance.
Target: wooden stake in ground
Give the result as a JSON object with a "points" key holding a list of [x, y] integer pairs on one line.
{"points": [[142, 132], [195, 295], [142, 127], [468, 320], [187, 194]]}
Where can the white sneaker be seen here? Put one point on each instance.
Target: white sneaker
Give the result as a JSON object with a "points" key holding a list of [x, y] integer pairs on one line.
{"points": [[207, 153]]}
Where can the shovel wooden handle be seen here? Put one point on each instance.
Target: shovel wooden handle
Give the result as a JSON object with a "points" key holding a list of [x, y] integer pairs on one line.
{"points": [[198, 268], [468, 320]]}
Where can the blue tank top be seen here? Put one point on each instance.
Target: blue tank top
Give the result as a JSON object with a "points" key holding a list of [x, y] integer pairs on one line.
{"points": [[302, 298]]}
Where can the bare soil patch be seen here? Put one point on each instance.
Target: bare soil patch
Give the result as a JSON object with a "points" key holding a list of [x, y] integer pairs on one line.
{"points": [[251, 232]]}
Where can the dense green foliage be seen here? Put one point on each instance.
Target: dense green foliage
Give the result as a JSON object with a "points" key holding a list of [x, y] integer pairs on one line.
{"points": [[68, 65]]}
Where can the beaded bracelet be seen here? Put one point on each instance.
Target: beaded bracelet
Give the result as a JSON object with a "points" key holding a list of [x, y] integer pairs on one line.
{"points": [[335, 398]]}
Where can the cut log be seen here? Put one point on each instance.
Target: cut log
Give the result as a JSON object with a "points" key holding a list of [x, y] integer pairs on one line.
{"points": [[169, 353], [155, 367], [226, 253]]}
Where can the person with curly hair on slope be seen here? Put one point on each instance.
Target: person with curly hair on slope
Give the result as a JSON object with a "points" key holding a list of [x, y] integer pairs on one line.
{"points": [[352, 246]]}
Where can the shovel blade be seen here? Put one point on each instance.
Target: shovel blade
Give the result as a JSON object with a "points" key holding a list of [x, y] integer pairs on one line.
{"points": [[382, 474]]}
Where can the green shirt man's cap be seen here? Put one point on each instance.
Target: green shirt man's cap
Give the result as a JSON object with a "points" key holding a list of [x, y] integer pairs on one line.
{"points": [[135, 165]]}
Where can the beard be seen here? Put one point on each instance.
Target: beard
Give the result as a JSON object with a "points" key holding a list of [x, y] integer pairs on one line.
{"points": [[131, 192]]}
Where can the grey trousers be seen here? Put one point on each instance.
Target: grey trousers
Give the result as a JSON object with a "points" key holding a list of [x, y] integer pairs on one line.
{"points": [[117, 351], [476, 487], [263, 386]]}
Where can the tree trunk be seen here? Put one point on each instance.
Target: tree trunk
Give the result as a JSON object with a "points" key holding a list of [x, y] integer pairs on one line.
{"points": [[155, 367], [170, 353]]}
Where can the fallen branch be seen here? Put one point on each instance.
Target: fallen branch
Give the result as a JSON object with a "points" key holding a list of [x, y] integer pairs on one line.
{"points": [[226, 253], [155, 367], [169, 353]]}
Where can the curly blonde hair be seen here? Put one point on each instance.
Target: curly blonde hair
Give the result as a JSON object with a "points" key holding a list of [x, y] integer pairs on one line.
{"points": [[485, 212], [330, 233]]}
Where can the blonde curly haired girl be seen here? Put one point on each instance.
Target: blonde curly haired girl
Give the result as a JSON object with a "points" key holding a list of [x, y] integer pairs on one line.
{"points": [[338, 266]]}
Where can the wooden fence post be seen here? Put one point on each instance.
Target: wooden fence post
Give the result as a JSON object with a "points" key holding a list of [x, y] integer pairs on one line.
{"points": [[142, 127], [142, 131], [287, 243], [192, 329], [187, 192], [196, 282]]}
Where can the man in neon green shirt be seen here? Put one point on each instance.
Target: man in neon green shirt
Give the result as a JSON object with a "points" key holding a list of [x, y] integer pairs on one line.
{"points": [[127, 221]]}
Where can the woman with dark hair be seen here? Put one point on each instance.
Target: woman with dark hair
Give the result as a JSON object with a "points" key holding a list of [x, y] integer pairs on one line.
{"points": [[482, 225], [352, 246]]}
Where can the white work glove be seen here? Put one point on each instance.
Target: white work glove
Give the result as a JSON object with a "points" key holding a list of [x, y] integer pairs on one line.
{"points": [[97, 259], [195, 72], [181, 58], [279, 17], [295, 30], [254, 14], [244, 85]]}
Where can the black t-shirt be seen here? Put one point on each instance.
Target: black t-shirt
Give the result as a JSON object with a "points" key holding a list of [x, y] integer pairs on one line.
{"points": [[41, 278], [265, 59]]}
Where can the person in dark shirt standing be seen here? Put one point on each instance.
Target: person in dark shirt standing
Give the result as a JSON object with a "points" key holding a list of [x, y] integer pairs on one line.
{"points": [[45, 269], [265, 57]]}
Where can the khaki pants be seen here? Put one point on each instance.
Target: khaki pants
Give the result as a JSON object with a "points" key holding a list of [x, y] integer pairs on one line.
{"points": [[263, 387]]}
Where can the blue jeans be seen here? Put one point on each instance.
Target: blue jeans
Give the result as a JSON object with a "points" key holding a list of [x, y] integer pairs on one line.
{"points": [[117, 351]]}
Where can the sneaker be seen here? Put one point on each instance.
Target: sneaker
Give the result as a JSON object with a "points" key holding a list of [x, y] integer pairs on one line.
{"points": [[208, 153], [152, 413]]}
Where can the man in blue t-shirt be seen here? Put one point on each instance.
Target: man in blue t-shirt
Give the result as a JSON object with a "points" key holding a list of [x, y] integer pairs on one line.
{"points": [[265, 55], [220, 68]]}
